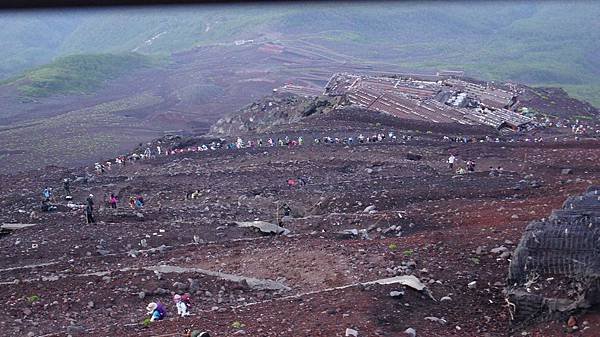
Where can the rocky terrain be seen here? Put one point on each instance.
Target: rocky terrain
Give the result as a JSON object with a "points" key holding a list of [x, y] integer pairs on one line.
{"points": [[273, 111], [376, 242]]}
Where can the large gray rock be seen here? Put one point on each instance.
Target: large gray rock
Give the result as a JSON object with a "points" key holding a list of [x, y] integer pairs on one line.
{"points": [[370, 208], [264, 227], [351, 332], [410, 332], [75, 330]]}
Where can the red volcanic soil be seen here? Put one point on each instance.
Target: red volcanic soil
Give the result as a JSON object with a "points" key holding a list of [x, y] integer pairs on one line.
{"points": [[63, 276]]}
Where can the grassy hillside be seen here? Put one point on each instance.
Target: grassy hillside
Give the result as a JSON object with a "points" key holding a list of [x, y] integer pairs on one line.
{"points": [[539, 43], [29, 39], [78, 73]]}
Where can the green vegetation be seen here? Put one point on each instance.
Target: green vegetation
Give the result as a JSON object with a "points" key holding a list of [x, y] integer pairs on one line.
{"points": [[392, 246], [237, 325], [146, 322], [538, 43], [78, 73], [590, 93], [33, 298], [408, 252]]}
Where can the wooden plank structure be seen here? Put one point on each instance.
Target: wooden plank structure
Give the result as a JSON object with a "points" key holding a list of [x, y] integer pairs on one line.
{"points": [[409, 98]]}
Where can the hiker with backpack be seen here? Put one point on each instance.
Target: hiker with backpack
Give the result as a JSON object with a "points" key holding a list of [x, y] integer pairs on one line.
{"points": [[66, 186], [89, 214], [156, 310], [47, 193], [470, 166], [89, 201], [451, 161], [113, 201], [139, 201], [182, 302]]}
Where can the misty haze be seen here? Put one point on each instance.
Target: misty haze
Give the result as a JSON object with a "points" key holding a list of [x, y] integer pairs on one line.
{"points": [[320, 169]]}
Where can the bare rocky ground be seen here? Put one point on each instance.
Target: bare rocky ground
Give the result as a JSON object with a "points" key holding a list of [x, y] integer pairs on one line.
{"points": [[63, 276]]}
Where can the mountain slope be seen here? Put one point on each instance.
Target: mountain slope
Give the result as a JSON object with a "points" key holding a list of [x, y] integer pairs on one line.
{"points": [[77, 73], [539, 43]]}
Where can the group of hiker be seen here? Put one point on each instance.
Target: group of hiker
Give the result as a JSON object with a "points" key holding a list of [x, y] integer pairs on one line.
{"points": [[151, 152], [361, 139], [240, 143], [135, 202], [158, 311], [469, 165], [269, 142]]}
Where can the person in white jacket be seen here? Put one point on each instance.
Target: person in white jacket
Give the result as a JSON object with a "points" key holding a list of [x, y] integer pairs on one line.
{"points": [[182, 308], [451, 161]]}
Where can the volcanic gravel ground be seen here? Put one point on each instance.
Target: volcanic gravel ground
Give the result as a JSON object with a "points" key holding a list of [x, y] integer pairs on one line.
{"points": [[62, 276]]}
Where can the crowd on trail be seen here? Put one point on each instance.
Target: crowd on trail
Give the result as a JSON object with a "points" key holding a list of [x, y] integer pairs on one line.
{"points": [[158, 311], [239, 143], [161, 149]]}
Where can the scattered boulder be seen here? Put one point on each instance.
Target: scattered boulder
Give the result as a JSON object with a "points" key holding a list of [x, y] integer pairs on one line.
{"points": [[179, 285], [436, 320], [103, 252], [161, 291], [194, 285], [566, 171], [351, 332], [396, 293], [264, 227], [413, 156], [499, 250], [369, 209], [353, 233], [75, 330], [410, 332]]}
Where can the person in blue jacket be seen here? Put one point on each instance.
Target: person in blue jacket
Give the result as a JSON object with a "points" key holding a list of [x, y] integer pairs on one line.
{"points": [[157, 311]]}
